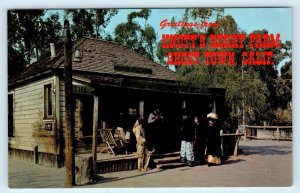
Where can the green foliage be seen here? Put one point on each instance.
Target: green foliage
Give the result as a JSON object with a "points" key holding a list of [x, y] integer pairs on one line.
{"points": [[286, 70], [89, 22], [283, 116], [283, 92], [254, 89], [139, 38], [82, 23], [206, 13], [191, 15], [103, 17], [257, 89], [16, 62], [30, 32]]}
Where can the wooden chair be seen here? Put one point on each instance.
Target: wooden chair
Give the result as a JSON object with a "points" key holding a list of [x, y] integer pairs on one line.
{"points": [[110, 141]]}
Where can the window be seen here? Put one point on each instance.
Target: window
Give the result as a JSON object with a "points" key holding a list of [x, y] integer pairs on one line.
{"points": [[11, 130], [48, 111]]}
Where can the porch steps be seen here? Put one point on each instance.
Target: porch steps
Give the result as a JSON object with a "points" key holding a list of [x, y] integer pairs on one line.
{"points": [[170, 165], [171, 154], [168, 160]]}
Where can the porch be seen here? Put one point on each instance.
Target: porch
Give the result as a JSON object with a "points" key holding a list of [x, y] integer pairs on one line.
{"points": [[107, 163], [120, 161]]}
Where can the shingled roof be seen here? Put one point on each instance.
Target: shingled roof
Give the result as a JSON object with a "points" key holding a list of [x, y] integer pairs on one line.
{"points": [[108, 63], [101, 57]]}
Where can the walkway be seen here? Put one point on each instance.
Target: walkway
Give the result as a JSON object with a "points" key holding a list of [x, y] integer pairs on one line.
{"points": [[263, 164]]}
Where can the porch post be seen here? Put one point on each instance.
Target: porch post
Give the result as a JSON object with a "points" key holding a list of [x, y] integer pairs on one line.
{"points": [[141, 108], [95, 129], [183, 104], [214, 106], [69, 116]]}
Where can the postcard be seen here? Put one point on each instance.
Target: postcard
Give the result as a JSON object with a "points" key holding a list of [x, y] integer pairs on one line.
{"points": [[150, 97]]}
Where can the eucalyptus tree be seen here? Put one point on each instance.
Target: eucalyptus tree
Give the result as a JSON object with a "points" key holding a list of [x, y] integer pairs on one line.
{"points": [[29, 35], [137, 34], [89, 22]]}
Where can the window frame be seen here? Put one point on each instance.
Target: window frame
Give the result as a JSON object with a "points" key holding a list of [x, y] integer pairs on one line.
{"points": [[48, 101]]}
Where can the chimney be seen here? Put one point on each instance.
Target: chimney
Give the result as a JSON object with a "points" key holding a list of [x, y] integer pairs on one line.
{"points": [[52, 50]]}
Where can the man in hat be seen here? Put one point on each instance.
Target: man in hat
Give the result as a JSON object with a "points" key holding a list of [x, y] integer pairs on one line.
{"points": [[213, 140], [155, 129]]}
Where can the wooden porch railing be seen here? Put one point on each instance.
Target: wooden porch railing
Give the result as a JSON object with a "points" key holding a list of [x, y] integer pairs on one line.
{"points": [[237, 136], [251, 132]]}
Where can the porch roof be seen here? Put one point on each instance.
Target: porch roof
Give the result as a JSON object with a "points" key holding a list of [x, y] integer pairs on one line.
{"points": [[146, 84]]}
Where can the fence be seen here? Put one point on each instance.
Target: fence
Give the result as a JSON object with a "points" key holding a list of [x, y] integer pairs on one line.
{"points": [[268, 132]]}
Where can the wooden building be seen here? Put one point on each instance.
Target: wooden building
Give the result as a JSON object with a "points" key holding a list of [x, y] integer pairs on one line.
{"points": [[119, 78]]}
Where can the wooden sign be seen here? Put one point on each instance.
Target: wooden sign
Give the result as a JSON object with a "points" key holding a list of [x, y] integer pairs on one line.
{"points": [[82, 89]]}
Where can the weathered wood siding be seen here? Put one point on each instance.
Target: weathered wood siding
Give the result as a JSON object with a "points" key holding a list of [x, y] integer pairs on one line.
{"points": [[77, 114], [29, 120], [62, 104]]}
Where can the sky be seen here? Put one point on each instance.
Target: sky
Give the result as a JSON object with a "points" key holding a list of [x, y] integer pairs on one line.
{"points": [[275, 20]]}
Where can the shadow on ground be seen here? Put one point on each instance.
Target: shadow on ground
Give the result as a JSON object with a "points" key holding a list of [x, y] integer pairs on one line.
{"points": [[228, 162], [100, 179], [266, 150]]}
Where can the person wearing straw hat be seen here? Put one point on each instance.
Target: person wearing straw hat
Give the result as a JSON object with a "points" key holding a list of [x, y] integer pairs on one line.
{"points": [[213, 150]]}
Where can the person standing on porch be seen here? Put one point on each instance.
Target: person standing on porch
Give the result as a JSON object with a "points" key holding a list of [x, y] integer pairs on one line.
{"points": [[187, 139], [154, 129], [141, 149], [213, 140]]}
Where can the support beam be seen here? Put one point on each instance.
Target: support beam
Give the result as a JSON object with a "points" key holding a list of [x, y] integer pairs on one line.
{"points": [[141, 108], [95, 131], [184, 104], [214, 110], [57, 127]]}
